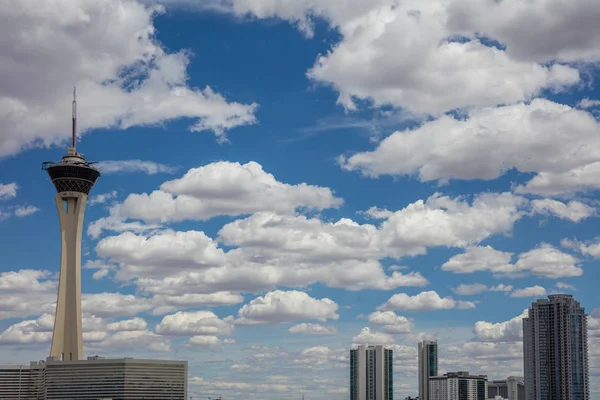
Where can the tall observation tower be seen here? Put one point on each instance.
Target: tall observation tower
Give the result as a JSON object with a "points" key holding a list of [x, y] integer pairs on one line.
{"points": [[73, 178]]}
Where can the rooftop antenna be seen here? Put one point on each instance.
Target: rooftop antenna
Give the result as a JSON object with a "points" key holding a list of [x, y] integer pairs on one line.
{"points": [[74, 133]]}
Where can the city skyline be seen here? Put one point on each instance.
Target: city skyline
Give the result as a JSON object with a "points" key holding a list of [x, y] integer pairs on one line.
{"points": [[284, 180]]}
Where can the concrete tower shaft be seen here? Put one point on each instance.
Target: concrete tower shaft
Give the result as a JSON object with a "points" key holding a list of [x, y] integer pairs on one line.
{"points": [[73, 177]]}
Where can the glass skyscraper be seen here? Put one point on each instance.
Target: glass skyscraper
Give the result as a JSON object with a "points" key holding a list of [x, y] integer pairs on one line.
{"points": [[555, 350], [428, 366], [371, 373]]}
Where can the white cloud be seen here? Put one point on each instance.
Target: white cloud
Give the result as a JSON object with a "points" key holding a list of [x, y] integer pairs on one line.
{"points": [[28, 331], [574, 211], [282, 306], [578, 179], [470, 289], [101, 46], [488, 143], [205, 341], [313, 329], [220, 188], [424, 301], [544, 260], [197, 323], [570, 23], [148, 256], [366, 336], [532, 291], [134, 324], [169, 303], [147, 167], [590, 248], [102, 198], [8, 190], [114, 304], [548, 261], [26, 292], [24, 211], [563, 285], [587, 103], [390, 322], [132, 339], [507, 331], [443, 221]]}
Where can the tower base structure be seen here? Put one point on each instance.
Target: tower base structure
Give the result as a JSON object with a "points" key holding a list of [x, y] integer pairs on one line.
{"points": [[67, 340]]}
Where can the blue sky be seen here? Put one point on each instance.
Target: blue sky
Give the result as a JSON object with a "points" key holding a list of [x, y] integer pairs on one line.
{"points": [[284, 179]]}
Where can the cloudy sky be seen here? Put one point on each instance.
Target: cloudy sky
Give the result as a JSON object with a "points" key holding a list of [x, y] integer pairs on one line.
{"points": [[282, 179]]}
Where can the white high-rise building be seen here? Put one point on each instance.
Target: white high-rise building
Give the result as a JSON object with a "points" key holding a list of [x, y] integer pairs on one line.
{"points": [[555, 350], [428, 366], [458, 386], [371, 373]]}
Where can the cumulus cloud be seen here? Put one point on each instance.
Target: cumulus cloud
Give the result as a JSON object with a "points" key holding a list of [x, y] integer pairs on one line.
{"points": [[220, 188], [507, 331], [102, 198], [366, 336], [488, 143], [313, 329], [424, 301], [544, 260], [390, 322], [101, 46], [8, 190], [363, 64], [113, 304], [532, 291], [282, 306], [197, 323], [26, 292], [588, 248], [470, 289], [135, 324], [574, 210], [147, 167], [24, 211]]}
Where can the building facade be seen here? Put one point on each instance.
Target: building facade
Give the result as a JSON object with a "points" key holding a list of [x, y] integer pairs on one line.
{"points": [[458, 386], [511, 388], [428, 366], [95, 378], [371, 373], [555, 350]]}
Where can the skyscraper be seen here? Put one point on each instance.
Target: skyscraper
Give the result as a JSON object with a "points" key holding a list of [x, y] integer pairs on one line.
{"points": [[428, 366], [73, 179], [555, 352], [371, 373], [458, 386]]}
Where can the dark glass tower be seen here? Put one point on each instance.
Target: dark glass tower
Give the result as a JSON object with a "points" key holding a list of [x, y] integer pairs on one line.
{"points": [[428, 366], [555, 350]]}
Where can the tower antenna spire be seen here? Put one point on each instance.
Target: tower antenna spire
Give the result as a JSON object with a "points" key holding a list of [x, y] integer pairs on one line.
{"points": [[74, 126]]}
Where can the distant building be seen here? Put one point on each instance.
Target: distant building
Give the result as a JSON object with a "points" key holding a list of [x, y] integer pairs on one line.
{"points": [[458, 386], [511, 388], [555, 350], [428, 366], [371, 373], [95, 378]]}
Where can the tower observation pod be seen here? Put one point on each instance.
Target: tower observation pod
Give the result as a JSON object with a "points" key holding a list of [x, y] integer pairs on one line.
{"points": [[73, 177]]}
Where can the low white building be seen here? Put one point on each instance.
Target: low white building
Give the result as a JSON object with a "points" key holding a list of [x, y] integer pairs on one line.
{"points": [[458, 386], [95, 378]]}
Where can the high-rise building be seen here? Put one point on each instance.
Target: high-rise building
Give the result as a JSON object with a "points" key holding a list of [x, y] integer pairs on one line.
{"points": [[458, 386], [371, 373], [73, 177], [555, 350], [428, 366], [511, 388]]}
